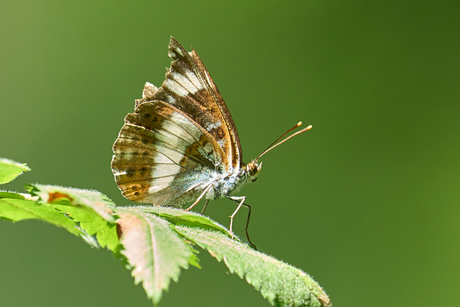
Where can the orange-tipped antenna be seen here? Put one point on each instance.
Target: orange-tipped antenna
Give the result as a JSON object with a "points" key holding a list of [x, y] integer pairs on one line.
{"points": [[273, 145]]}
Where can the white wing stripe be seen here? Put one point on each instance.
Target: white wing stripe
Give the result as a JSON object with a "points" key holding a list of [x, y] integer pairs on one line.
{"points": [[175, 87], [182, 80]]}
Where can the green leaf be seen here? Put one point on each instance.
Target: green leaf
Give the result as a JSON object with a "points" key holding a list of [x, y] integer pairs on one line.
{"points": [[23, 209], [95, 200], [154, 251], [278, 282], [155, 242], [182, 217], [9, 170], [93, 224], [93, 211], [4, 194]]}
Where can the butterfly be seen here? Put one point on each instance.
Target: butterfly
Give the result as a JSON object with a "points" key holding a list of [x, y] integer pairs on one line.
{"points": [[181, 144]]}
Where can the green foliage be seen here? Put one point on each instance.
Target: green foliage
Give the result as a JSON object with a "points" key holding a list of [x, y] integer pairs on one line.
{"points": [[154, 251], [155, 243], [10, 170], [24, 209], [277, 281]]}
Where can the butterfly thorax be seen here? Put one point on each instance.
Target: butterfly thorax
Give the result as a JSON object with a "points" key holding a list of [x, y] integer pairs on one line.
{"points": [[234, 181]]}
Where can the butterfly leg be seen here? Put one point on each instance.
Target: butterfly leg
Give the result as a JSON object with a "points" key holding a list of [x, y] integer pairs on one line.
{"points": [[240, 200], [205, 205], [199, 198]]}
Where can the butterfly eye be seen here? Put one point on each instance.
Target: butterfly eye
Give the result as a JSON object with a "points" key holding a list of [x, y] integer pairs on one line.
{"points": [[253, 170]]}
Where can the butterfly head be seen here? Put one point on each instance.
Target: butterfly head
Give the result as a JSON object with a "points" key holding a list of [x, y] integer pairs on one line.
{"points": [[253, 169]]}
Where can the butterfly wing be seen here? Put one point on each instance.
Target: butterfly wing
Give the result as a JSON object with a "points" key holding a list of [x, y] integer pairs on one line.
{"points": [[162, 156], [181, 138], [189, 87]]}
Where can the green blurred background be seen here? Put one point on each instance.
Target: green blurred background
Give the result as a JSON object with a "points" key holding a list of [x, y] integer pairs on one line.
{"points": [[367, 201]]}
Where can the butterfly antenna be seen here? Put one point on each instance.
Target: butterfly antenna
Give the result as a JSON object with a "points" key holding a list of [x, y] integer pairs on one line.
{"points": [[274, 144]]}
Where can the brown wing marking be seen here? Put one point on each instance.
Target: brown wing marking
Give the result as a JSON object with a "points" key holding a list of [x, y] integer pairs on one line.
{"points": [[225, 113], [189, 87], [161, 153]]}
